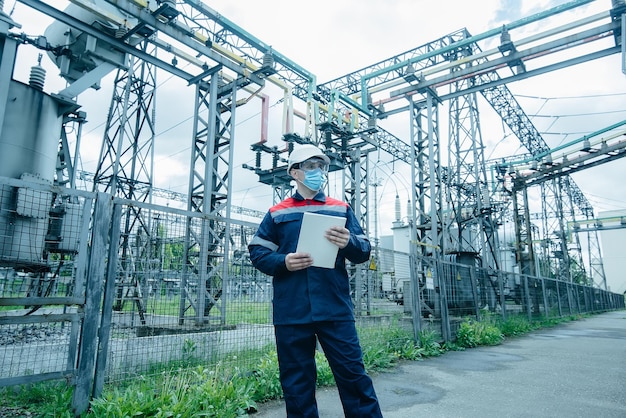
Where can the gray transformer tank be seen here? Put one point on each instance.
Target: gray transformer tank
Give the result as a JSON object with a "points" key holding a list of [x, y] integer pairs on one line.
{"points": [[28, 150]]}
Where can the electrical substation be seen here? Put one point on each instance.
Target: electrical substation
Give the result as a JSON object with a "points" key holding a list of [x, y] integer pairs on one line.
{"points": [[100, 267]]}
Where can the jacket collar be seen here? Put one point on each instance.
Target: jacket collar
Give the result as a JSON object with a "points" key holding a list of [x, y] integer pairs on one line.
{"points": [[320, 196]]}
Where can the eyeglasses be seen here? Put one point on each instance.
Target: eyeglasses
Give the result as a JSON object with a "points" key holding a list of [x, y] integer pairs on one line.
{"points": [[310, 165]]}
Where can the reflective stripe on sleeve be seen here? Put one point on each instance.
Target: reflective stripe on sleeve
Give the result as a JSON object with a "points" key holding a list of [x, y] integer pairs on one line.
{"points": [[263, 243]]}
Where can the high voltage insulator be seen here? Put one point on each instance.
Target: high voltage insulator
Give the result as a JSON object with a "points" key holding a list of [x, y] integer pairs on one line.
{"points": [[268, 60], [37, 77]]}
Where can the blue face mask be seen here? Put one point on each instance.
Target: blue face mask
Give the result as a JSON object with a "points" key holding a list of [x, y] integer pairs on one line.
{"points": [[314, 179]]}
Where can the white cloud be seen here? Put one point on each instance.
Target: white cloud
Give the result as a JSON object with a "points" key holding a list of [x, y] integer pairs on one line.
{"points": [[333, 38]]}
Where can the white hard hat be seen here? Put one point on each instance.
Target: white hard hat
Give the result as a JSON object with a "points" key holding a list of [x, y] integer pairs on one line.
{"points": [[302, 152]]}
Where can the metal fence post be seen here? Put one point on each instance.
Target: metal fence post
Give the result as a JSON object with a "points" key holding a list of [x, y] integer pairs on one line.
{"points": [[545, 297], [474, 284], [527, 299], [558, 297], [416, 301], [502, 295], [570, 305], [443, 301]]}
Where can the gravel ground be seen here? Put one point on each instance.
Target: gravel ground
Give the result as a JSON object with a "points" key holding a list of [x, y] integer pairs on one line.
{"points": [[14, 412], [33, 334]]}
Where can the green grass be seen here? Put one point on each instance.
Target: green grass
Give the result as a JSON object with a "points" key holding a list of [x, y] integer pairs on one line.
{"points": [[249, 313], [244, 312], [515, 325], [473, 333], [493, 330], [44, 400], [198, 391], [225, 390]]}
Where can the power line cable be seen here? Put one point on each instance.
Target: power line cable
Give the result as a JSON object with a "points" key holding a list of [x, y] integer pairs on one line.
{"points": [[573, 115], [570, 97]]}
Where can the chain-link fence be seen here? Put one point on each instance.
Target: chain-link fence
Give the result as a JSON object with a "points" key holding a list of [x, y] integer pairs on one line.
{"points": [[99, 290]]}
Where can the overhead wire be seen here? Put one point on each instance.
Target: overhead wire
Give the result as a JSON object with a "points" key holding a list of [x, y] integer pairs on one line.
{"points": [[591, 96], [572, 115], [556, 118]]}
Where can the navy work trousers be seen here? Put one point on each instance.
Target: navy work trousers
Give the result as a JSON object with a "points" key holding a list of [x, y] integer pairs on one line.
{"points": [[296, 358]]}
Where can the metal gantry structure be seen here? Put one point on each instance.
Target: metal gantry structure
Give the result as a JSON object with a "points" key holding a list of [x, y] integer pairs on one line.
{"points": [[125, 165], [227, 67]]}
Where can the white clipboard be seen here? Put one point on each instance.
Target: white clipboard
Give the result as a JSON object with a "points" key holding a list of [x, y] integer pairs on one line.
{"points": [[311, 239]]}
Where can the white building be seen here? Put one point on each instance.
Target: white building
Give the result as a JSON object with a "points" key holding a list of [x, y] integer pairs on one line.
{"points": [[613, 251]]}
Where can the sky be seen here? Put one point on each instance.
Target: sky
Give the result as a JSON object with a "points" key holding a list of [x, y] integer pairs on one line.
{"points": [[333, 38]]}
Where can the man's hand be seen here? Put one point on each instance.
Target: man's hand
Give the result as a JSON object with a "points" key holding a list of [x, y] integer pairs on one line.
{"points": [[298, 261], [338, 235]]}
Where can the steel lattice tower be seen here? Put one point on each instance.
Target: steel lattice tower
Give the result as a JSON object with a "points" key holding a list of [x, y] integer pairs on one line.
{"points": [[208, 240], [468, 194], [125, 166]]}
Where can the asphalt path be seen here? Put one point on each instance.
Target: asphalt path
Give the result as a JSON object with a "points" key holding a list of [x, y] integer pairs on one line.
{"points": [[577, 369]]}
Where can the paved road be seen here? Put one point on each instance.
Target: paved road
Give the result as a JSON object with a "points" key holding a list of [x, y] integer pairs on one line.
{"points": [[574, 370]]}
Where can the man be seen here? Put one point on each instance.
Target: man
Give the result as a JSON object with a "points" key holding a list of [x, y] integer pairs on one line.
{"points": [[313, 303]]}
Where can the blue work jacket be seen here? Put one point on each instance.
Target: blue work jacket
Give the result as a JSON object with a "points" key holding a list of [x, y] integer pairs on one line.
{"points": [[312, 294]]}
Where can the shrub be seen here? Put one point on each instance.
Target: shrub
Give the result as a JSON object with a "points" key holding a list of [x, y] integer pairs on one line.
{"points": [[515, 325], [474, 333]]}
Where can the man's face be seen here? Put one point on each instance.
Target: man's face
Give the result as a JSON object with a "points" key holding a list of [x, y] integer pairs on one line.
{"points": [[314, 163]]}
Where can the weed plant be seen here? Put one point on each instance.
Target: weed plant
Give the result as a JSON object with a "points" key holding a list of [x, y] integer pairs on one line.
{"points": [[225, 390], [515, 325], [48, 399], [473, 333]]}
